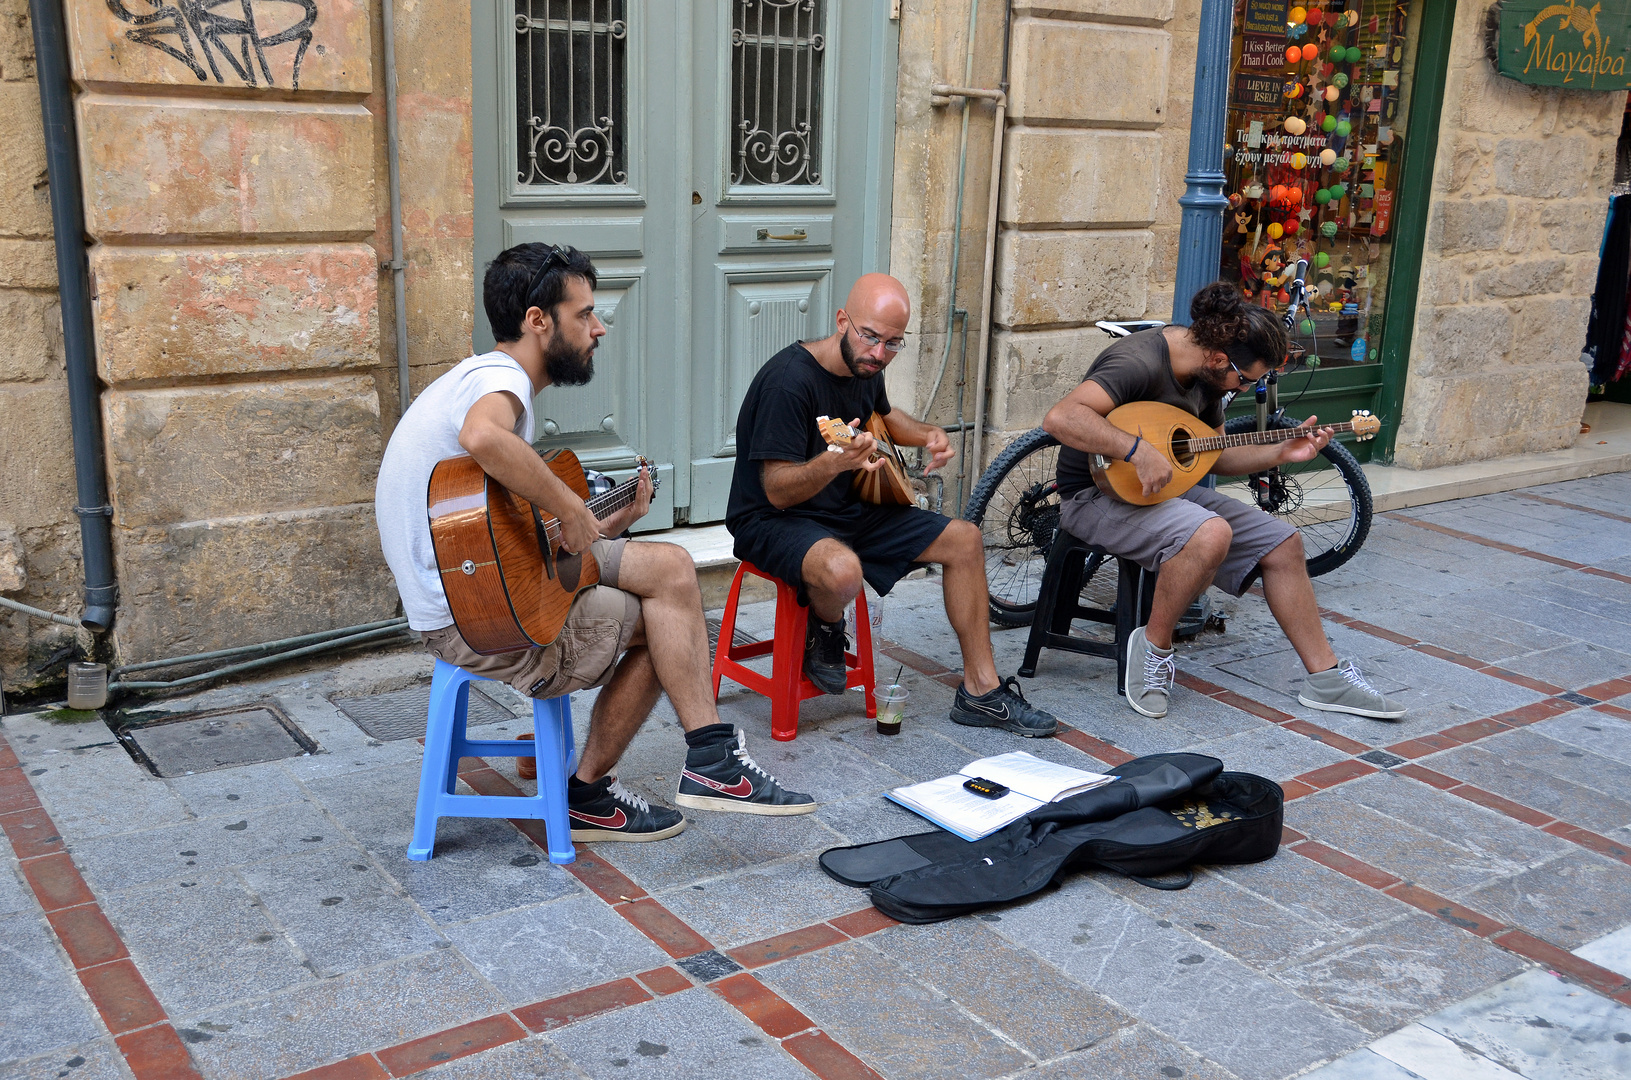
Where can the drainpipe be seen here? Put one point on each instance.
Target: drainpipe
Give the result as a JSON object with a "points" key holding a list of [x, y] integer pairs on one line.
{"points": [[1200, 236], [73, 290], [397, 266]]}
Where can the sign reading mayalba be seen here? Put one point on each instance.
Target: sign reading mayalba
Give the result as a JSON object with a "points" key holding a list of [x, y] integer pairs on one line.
{"points": [[1569, 45]]}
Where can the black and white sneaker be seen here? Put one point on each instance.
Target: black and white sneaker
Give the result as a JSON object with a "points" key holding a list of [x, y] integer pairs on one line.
{"points": [[1005, 707], [606, 810], [824, 645], [724, 777]]}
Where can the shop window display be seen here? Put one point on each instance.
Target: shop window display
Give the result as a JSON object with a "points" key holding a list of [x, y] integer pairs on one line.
{"points": [[1317, 107]]}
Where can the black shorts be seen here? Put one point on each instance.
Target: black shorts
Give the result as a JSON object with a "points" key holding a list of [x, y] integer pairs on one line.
{"points": [[888, 540]]}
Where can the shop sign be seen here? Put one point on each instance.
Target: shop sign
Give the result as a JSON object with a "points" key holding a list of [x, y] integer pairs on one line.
{"points": [[1259, 93], [1265, 17], [1260, 53], [1569, 44]]}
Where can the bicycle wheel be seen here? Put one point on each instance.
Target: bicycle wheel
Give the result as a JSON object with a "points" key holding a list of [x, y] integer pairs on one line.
{"points": [[1016, 506], [1326, 499]]}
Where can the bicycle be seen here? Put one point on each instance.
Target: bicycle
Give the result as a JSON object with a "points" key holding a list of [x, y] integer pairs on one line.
{"points": [[1016, 501]]}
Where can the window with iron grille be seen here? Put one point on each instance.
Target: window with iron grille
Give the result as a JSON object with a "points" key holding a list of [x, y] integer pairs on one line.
{"points": [[571, 92], [777, 64]]}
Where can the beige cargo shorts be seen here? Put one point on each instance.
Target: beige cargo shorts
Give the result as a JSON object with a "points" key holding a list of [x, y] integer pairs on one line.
{"points": [[597, 632]]}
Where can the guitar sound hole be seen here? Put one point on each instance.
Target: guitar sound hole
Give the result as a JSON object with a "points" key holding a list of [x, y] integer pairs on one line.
{"points": [[1180, 448]]}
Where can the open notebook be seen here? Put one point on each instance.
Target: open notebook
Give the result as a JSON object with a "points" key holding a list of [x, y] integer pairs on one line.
{"points": [[1031, 781]]}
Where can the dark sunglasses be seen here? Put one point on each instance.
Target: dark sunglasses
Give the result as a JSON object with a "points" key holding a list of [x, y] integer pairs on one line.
{"points": [[554, 257]]}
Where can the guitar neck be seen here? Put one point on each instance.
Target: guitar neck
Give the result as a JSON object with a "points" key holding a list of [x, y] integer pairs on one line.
{"points": [[1260, 438], [616, 499]]}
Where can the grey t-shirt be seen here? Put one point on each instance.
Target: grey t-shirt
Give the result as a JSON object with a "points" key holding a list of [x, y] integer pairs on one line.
{"points": [[1138, 368]]}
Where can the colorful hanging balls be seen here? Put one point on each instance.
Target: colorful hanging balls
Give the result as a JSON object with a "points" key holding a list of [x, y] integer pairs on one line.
{"points": [[1295, 125], [1332, 93], [1310, 52], [1322, 196], [1322, 260], [1299, 161], [1352, 54], [1274, 230], [1293, 227], [1277, 193], [1337, 54], [1306, 328], [1295, 195], [1341, 165], [1329, 124], [1297, 16], [1338, 190], [1327, 156], [1340, 80], [1314, 17], [1328, 229], [1343, 129], [1294, 54]]}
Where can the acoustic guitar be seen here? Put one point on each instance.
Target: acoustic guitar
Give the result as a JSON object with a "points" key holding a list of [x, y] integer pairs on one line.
{"points": [[885, 486], [1189, 446], [508, 583]]}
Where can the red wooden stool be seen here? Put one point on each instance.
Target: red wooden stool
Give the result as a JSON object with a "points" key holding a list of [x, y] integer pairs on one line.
{"points": [[787, 685]]}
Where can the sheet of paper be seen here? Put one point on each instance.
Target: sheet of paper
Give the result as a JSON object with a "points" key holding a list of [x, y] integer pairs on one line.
{"points": [[1031, 775], [947, 803]]}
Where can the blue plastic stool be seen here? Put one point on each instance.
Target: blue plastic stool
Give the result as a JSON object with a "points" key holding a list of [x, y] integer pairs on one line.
{"points": [[445, 744]]}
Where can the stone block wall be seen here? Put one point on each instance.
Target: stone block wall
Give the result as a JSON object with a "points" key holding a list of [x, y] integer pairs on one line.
{"points": [[1520, 193], [39, 535]]}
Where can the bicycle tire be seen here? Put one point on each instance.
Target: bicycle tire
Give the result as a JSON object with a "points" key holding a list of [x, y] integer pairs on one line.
{"points": [[1016, 506], [1333, 525]]}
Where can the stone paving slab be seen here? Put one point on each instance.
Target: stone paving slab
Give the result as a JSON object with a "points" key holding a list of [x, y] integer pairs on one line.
{"points": [[1532, 787], [732, 910], [1132, 1052], [45, 1008], [99, 1060], [535, 1057], [1569, 900], [1589, 730]]}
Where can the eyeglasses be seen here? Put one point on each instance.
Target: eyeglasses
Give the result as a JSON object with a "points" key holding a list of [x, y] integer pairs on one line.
{"points": [[893, 345], [555, 256], [1244, 378]]}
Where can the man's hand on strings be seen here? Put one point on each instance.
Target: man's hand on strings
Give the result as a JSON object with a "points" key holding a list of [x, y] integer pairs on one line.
{"points": [[858, 454], [1305, 447], [938, 444]]}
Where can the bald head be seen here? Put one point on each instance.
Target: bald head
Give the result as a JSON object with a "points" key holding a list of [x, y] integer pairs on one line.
{"points": [[879, 299]]}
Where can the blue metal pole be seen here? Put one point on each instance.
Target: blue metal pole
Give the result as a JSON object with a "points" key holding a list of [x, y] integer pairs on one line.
{"points": [[1200, 236]]}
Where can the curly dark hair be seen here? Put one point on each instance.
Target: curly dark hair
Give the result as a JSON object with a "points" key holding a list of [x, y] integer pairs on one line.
{"points": [[1224, 320], [508, 288]]}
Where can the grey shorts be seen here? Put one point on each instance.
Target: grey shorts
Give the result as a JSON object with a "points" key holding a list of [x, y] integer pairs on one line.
{"points": [[598, 630], [1150, 535]]}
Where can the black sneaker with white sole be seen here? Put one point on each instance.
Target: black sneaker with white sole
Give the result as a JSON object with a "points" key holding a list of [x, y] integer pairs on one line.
{"points": [[606, 810], [1006, 708], [824, 645], [724, 777]]}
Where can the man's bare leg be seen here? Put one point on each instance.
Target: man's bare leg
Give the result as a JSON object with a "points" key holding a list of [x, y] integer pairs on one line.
{"points": [[1184, 577], [665, 579], [1290, 594], [960, 551], [623, 705], [832, 578]]}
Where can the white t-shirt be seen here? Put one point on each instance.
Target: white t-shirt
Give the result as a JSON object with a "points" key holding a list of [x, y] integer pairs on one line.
{"points": [[427, 433]]}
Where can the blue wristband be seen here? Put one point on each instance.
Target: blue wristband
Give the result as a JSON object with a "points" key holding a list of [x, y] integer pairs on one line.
{"points": [[1136, 440]]}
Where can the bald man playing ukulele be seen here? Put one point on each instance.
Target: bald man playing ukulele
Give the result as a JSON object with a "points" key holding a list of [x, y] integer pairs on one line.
{"points": [[795, 513]]}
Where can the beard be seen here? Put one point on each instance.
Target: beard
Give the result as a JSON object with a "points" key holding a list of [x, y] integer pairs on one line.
{"points": [[847, 352], [567, 366], [1219, 383]]}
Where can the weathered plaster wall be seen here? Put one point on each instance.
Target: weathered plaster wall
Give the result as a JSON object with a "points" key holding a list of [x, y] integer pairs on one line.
{"points": [[39, 537], [1093, 165], [236, 283], [1520, 193]]}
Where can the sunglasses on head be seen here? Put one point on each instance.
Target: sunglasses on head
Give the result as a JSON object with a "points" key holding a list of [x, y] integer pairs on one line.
{"points": [[554, 257]]}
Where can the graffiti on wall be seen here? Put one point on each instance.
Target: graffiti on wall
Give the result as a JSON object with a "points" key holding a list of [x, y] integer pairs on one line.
{"points": [[229, 39]]}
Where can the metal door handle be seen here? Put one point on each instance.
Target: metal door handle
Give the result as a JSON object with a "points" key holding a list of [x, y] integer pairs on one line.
{"points": [[766, 234]]}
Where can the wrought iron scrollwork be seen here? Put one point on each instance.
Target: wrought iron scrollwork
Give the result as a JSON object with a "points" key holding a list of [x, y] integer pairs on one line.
{"points": [[778, 55], [571, 91]]}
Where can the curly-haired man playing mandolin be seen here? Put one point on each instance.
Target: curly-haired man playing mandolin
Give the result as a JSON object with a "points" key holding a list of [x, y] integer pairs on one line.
{"points": [[646, 610], [1200, 538], [796, 514]]}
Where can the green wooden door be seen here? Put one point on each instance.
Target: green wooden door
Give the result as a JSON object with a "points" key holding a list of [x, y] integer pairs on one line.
{"points": [[726, 164]]}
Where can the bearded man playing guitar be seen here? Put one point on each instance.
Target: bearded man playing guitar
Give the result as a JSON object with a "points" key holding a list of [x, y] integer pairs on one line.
{"points": [[647, 608], [1200, 538], [795, 511]]}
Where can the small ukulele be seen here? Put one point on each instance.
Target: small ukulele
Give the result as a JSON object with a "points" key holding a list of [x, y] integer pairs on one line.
{"points": [[1190, 447], [508, 583], [885, 486]]}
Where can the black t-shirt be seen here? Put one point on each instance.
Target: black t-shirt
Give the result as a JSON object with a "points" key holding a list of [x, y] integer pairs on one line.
{"points": [[778, 423], [1138, 368]]}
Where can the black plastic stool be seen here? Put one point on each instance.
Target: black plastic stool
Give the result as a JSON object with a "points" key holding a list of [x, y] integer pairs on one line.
{"points": [[1059, 604]]}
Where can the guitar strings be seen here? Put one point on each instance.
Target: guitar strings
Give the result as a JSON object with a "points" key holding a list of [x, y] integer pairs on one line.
{"points": [[611, 502]]}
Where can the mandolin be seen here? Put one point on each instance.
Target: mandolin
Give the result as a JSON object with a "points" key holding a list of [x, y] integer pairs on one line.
{"points": [[508, 584], [1190, 447], [886, 486]]}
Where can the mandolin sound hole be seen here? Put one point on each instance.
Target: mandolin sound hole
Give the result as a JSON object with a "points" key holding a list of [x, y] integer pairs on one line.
{"points": [[1180, 448]]}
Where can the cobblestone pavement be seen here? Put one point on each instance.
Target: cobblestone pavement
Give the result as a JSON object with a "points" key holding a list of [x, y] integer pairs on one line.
{"points": [[1452, 898]]}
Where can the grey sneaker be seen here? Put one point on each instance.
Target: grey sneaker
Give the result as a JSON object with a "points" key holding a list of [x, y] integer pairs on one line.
{"points": [[1344, 689], [1149, 676]]}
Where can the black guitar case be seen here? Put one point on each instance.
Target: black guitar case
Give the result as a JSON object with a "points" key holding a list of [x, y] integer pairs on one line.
{"points": [[1163, 813]]}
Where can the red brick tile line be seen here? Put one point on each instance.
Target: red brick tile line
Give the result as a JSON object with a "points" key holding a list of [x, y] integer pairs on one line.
{"points": [[1571, 506], [1513, 939], [1511, 549], [920, 663], [139, 1025]]}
